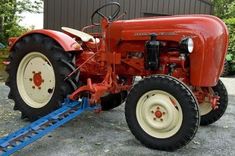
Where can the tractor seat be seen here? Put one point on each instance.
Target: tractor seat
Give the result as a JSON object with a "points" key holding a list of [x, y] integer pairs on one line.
{"points": [[83, 36]]}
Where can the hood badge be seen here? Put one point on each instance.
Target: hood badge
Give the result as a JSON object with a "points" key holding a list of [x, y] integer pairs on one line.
{"points": [[158, 34]]}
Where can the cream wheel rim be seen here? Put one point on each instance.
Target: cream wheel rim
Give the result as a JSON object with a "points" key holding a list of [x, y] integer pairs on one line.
{"points": [[205, 107], [159, 114], [35, 80]]}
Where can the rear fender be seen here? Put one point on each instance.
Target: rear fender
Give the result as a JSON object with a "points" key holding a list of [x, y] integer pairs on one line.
{"points": [[65, 41]]}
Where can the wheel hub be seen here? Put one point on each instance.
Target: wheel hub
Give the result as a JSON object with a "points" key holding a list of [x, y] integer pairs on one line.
{"points": [[158, 115], [36, 80]]}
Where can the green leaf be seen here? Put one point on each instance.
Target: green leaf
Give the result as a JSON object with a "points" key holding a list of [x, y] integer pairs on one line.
{"points": [[10, 11]]}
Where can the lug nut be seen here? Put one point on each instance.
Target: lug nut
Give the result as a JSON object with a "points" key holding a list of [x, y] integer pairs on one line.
{"points": [[34, 72], [152, 112], [163, 113], [33, 87], [154, 119], [30, 79], [39, 88], [158, 107], [161, 119]]}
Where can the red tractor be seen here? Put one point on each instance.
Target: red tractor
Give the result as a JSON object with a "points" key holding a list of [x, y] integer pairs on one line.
{"points": [[179, 60]]}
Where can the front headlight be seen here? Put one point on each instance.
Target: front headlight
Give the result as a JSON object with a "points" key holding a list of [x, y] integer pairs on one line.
{"points": [[187, 45]]}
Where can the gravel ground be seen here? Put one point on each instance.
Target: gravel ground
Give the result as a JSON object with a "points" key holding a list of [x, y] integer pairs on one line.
{"points": [[108, 134]]}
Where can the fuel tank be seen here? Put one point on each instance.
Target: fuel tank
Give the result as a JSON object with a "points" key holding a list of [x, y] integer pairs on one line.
{"points": [[209, 33]]}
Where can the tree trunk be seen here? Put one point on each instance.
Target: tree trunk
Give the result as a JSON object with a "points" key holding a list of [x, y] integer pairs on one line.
{"points": [[1, 28], [1, 25]]}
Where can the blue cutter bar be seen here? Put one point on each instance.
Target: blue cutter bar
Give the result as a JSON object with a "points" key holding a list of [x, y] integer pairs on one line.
{"points": [[29, 134]]}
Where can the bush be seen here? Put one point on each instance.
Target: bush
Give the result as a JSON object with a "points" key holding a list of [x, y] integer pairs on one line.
{"points": [[12, 29], [231, 26], [10, 15]]}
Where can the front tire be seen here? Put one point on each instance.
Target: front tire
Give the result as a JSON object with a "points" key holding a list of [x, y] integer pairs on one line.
{"points": [[38, 66], [226, 70], [208, 114], [162, 113]]}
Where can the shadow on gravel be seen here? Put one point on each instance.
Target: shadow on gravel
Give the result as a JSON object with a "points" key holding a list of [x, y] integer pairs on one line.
{"points": [[107, 134]]}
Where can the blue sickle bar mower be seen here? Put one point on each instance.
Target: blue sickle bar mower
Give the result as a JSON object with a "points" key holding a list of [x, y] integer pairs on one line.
{"points": [[36, 130]]}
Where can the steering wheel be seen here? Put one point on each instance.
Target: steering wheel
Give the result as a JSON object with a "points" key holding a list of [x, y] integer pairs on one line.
{"points": [[110, 18]]}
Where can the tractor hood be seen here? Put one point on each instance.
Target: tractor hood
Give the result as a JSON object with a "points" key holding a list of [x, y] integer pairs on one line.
{"points": [[209, 33]]}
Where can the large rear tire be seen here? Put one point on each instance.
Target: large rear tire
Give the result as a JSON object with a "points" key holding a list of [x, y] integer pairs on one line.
{"points": [[208, 114], [162, 113], [37, 69], [227, 69], [112, 101]]}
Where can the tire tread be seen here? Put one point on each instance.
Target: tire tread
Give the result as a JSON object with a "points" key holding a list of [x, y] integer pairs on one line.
{"points": [[147, 140], [56, 53]]}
